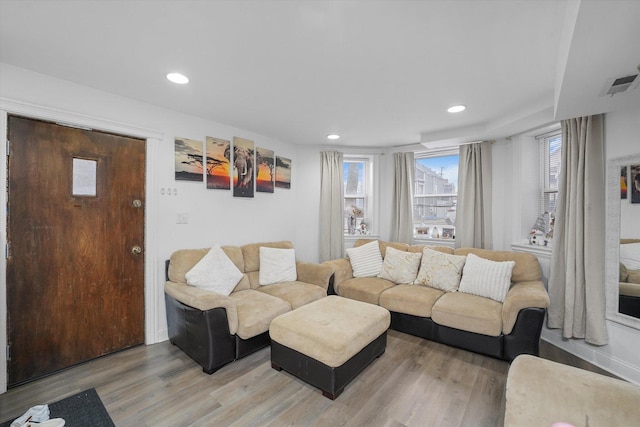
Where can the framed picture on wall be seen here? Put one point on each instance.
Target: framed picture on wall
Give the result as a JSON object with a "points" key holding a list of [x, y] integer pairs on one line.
{"points": [[265, 170], [623, 182], [243, 167], [218, 154], [188, 159], [283, 172], [634, 183]]}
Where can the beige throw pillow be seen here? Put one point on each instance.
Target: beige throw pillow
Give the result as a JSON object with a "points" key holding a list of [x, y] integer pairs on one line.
{"points": [[400, 266], [486, 278], [366, 260], [277, 265], [439, 270], [214, 272]]}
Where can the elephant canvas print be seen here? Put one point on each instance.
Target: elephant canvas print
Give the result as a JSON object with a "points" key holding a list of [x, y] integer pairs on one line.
{"points": [[283, 172], [218, 154], [265, 171], [243, 167], [188, 159]]}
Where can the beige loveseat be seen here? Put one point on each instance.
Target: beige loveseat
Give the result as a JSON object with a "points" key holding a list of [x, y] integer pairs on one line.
{"points": [[629, 290], [215, 329], [503, 330]]}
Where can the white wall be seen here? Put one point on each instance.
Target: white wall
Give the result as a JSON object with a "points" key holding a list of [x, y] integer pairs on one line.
{"points": [[215, 216]]}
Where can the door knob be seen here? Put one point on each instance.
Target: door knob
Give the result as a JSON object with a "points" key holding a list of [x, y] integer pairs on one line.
{"points": [[136, 250]]}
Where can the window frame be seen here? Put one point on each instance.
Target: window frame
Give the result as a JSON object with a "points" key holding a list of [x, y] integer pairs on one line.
{"points": [[432, 154], [369, 191], [545, 189]]}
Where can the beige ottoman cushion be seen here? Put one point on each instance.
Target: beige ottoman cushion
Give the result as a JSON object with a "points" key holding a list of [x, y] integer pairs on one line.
{"points": [[256, 310], [367, 289], [468, 313], [541, 392], [410, 299], [330, 330]]}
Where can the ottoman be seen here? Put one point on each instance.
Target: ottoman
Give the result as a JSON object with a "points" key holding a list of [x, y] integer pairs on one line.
{"points": [[328, 342]]}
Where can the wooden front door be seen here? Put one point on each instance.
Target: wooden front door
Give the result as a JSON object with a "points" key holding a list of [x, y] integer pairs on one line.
{"points": [[75, 269]]}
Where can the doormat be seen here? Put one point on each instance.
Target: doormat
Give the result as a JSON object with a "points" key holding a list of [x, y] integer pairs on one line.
{"points": [[80, 410]]}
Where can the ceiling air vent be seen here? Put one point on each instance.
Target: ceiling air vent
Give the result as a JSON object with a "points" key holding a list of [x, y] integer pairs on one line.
{"points": [[620, 84]]}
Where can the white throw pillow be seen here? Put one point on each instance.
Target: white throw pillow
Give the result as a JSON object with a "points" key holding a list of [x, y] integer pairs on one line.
{"points": [[400, 266], [214, 272], [630, 255], [277, 265], [366, 260], [439, 270], [486, 278]]}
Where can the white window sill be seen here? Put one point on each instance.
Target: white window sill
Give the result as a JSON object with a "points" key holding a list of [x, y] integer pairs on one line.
{"points": [[543, 251]]}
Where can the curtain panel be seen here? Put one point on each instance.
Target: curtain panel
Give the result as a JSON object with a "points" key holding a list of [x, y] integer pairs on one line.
{"points": [[473, 213], [576, 281], [402, 199], [331, 205]]}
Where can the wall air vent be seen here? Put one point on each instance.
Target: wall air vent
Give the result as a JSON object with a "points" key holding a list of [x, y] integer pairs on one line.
{"points": [[620, 84]]}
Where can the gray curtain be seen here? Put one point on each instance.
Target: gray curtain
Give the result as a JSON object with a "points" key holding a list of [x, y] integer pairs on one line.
{"points": [[576, 282], [331, 206], [402, 198], [473, 212]]}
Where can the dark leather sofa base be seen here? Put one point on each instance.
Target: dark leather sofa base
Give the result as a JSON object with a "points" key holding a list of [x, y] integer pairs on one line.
{"points": [[629, 305], [331, 381]]}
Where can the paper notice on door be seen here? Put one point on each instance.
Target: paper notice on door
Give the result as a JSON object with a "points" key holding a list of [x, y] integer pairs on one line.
{"points": [[84, 177]]}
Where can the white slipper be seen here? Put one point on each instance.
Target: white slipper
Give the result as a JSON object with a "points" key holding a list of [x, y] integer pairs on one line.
{"points": [[53, 422], [37, 414]]}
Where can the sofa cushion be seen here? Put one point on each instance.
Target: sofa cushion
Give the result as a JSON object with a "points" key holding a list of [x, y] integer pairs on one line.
{"points": [[366, 289], [214, 272], [277, 265], [366, 260], [183, 260], [295, 293], [440, 270], [486, 278], [420, 248], [256, 310], [468, 313], [400, 266], [251, 253], [410, 299], [527, 268]]}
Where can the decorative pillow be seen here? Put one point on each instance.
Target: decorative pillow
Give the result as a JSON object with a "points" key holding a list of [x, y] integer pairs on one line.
{"points": [[630, 255], [277, 265], [486, 278], [214, 272], [439, 270], [366, 260], [400, 266]]}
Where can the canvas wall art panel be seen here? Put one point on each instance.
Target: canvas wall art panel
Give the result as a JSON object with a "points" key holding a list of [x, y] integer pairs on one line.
{"points": [[283, 172], [634, 183], [218, 154], [188, 159], [623, 182], [243, 167], [266, 170]]}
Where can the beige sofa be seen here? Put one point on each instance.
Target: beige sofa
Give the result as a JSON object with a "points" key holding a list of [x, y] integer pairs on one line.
{"points": [[502, 330], [215, 329], [629, 290]]}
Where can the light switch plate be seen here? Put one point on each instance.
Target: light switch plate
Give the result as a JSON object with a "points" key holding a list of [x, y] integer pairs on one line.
{"points": [[182, 218]]}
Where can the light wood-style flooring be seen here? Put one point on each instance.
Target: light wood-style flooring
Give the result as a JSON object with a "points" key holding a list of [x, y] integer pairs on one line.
{"points": [[416, 382]]}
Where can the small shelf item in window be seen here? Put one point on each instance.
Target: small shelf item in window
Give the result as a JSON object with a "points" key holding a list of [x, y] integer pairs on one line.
{"points": [[536, 237]]}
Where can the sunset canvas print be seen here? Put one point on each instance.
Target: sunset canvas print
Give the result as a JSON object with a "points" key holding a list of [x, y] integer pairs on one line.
{"points": [[218, 155], [188, 158], [265, 173], [283, 172]]}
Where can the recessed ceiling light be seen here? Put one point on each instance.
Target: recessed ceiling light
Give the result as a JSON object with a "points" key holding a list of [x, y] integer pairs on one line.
{"points": [[333, 136], [178, 78], [456, 108]]}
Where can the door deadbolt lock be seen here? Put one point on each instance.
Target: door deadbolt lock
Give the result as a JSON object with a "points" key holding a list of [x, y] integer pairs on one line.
{"points": [[137, 203], [136, 250]]}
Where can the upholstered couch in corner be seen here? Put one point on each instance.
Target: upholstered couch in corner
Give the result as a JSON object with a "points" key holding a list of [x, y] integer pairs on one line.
{"points": [[498, 329], [215, 329]]}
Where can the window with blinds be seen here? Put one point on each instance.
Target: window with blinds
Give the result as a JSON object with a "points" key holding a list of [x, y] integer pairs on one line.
{"points": [[550, 163]]}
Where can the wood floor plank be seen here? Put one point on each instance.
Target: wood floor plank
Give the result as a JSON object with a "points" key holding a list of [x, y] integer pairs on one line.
{"points": [[416, 382]]}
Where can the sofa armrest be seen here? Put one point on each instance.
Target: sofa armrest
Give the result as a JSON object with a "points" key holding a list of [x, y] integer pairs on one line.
{"points": [[522, 295], [316, 274], [204, 300], [341, 271]]}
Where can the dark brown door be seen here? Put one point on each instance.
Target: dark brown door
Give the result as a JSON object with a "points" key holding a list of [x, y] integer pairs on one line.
{"points": [[75, 270]]}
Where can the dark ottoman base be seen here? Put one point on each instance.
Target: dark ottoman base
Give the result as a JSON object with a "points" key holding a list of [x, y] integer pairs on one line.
{"points": [[331, 381]]}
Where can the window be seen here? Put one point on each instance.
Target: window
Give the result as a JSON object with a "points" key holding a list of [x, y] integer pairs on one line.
{"points": [[435, 195], [358, 206], [550, 162]]}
